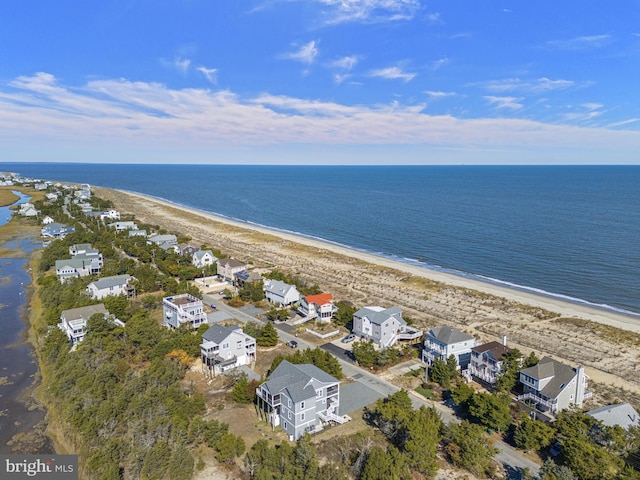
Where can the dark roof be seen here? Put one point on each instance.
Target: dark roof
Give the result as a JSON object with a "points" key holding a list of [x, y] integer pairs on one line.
{"points": [[217, 333], [560, 374], [299, 381], [496, 349]]}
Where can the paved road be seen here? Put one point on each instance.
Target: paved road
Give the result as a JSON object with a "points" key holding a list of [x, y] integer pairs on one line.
{"points": [[512, 460]]}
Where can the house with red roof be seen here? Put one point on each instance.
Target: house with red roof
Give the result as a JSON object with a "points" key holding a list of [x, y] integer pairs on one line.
{"points": [[318, 307]]}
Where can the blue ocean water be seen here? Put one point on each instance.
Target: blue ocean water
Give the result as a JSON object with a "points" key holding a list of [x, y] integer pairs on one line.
{"points": [[567, 231]]}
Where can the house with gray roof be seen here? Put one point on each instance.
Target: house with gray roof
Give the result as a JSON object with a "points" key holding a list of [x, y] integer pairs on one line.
{"points": [[165, 241], [383, 326], [622, 414], [225, 348], [228, 267], [56, 230], [203, 258], [280, 293], [111, 286], [122, 226], [79, 266], [553, 386], [300, 399], [73, 322], [442, 342]]}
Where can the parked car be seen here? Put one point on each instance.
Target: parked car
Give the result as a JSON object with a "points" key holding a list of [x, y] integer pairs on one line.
{"points": [[292, 344], [349, 338]]}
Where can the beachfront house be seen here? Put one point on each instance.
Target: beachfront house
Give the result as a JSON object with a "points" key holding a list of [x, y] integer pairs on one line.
{"points": [[228, 267], [164, 241], [111, 286], [203, 258], [245, 277], [299, 399], [487, 361], [109, 215], [122, 226], [383, 326], [225, 348], [56, 230], [622, 415], [319, 307], [553, 386], [73, 322], [184, 309], [442, 342], [280, 293]]}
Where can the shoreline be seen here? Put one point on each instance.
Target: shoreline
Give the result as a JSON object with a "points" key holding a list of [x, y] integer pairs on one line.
{"points": [[563, 308]]}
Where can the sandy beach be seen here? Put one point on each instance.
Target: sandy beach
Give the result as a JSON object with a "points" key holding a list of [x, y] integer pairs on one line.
{"points": [[605, 342]]}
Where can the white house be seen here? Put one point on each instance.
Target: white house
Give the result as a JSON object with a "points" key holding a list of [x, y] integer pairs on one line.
{"points": [[183, 309], [110, 215], [73, 322], [382, 326], [111, 286], [553, 386], [319, 306], [203, 258], [487, 360], [78, 266], [122, 226], [47, 220], [225, 348], [163, 241], [280, 293], [442, 342]]}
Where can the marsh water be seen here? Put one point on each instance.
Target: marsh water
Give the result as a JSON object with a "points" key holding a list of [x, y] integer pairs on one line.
{"points": [[22, 420]]}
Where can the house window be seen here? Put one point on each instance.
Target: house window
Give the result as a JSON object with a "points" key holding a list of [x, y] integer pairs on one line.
{"points": [[302, 416], [239, 345], [289, 402], [318, 393], [289, 415], [225, 345], [285, 425], [302, 405]]}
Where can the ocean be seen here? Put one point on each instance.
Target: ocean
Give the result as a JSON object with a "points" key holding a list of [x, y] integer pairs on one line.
{"points": [[566, 231]]}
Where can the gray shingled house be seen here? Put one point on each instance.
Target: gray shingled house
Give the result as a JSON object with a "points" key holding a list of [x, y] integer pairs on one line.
{"points": [[225, 348], [442, 342], [382, 326], [554, 386], [300, 399]]}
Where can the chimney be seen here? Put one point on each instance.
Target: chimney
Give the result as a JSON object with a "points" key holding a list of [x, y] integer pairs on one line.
{"points": [[504, 340]]}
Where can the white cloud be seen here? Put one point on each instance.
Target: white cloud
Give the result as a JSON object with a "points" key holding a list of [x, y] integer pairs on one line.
{"points": [[392, 73], [180, 64], [580, 43], [437, 64], [539, 85], [307, 53], [501, 103], [210, 73], [434, 94], [146, 118], [345, 63], [340, 11]]}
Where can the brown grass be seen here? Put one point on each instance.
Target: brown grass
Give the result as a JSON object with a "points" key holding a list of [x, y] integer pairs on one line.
{"points": [[7, 197], [605, 332]]}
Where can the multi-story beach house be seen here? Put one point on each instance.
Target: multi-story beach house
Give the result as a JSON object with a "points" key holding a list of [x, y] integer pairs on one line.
{"points": [[319, 307], [382, 326], [300, 399], [77, 267], [228, 267], [280, 293], [165, 241], [183, 309], [553, 386], [487, 360], [111, 286], [225, 348], [203, 258], [56, 230], [73, 322], [122, 226], [442, 342]]}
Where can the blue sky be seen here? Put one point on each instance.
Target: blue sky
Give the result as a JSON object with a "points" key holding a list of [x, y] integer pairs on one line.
{"points": [[320, 81]]}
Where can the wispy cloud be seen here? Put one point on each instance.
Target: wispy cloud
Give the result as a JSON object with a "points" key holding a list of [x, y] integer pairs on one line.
{"points": [[345, 63], [436, 94], [369, 11], [502, 103], [437, 64], [392, 73], [148, 117], [539, 85], [211, 74], [180, 64], [580, 43], [307, 53]]}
